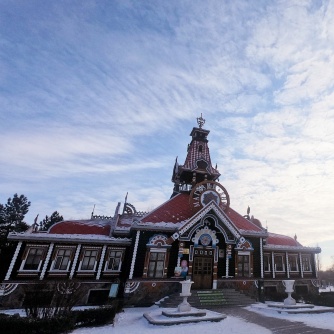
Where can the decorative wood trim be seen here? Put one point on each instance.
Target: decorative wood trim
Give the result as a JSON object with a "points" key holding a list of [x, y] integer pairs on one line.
{"points": [[11, 266], [74, 264], [273, 264], [46, 262], [98, 275], [261, 257], [134, 255]]}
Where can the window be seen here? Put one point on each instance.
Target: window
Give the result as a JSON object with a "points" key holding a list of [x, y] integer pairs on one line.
{"points": [[114, 260], [89, 259], [306, 263], [243, 266], [266, 262], [62, 259], [293, 262], [34, 259], [279, 263], [156, 264]]}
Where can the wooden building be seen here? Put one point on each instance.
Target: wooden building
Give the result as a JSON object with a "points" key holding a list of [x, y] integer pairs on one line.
{"points": [[195, 234]]}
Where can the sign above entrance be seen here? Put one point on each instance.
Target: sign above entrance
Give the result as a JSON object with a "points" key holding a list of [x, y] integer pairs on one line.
{"points": [[205, 192]]}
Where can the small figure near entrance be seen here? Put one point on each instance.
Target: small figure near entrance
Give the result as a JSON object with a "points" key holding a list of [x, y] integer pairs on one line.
{"points": [[184, 268]]}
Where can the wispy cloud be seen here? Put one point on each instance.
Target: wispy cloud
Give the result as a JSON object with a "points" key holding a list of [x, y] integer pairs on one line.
{"points": [[98, 98]]}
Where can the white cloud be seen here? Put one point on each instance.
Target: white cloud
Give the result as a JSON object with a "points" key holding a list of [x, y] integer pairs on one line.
{"points": [[98, 99]]}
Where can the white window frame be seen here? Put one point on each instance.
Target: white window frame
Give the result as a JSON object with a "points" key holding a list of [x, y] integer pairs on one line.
{"points": [[156, 250], [24, 260], [267, 255], [295, 256], [53, 263], [308, 257], [283, 263], [83, 256], [122, 250]]}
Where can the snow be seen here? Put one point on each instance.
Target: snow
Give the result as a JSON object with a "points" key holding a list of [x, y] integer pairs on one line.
{"points": [[131, 320], [329, 288], [319, 320]]}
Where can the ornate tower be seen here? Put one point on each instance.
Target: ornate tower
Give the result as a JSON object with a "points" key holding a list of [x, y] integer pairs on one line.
{"points": [[197, 166]]}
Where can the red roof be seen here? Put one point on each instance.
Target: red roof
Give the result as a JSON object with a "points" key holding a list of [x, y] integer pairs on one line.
{"points": [[241, 222], [281, 240], [97, 227], [175, 210]]}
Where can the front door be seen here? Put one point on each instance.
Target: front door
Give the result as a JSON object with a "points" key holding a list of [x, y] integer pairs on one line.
{"points": [[202, 271]]}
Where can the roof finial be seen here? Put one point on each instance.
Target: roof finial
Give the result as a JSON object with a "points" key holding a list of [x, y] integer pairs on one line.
{"points": [[200, 121], [126, 198]]}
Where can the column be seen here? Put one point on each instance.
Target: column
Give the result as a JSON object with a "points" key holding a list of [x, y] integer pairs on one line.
{"points": [[301, 266], [261, 255], [46, 262], [134, 255], [315, 266], [98, 275], [75, 261], [11, 266], [273, 263]]}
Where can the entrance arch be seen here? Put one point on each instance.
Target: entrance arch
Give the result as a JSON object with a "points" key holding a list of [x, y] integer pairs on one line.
{"points": [[202, 274]]}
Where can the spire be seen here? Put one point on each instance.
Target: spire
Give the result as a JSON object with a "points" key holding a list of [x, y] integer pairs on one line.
{"points": [[200, 121], [197, 166]]}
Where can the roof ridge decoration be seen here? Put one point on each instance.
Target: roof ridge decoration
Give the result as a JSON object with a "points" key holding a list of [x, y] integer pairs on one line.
{"points": [[200, 214]]}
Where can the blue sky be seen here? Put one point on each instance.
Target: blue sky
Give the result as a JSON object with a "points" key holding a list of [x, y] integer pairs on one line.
{"points": [[99, 97]]}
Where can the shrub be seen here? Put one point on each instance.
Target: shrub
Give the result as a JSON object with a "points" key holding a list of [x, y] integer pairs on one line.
{"points": [[60, 324], [94, 317], [17, 325]]}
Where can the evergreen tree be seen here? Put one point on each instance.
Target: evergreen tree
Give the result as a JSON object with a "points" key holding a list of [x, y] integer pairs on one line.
{"points": [[47, 222], [11, 220], [12, 216]]}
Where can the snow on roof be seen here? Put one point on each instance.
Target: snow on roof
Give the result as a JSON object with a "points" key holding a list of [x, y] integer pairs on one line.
{"points": [[177, 211], [68, 238], [282, 240], [91, 226]]}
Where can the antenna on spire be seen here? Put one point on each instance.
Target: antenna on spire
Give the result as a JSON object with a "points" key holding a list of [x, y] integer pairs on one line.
{"points": [[93, 211], [200, 121]]}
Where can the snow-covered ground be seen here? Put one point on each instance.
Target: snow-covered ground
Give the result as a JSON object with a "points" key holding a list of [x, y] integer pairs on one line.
{"points": [[329, 288], [320, 320], [132, 321]]}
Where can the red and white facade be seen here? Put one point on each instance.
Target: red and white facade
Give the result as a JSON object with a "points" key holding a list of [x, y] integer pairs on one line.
{"points": [[142, 252]]}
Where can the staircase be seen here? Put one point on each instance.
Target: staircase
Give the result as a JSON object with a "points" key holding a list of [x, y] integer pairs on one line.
{"points": [[209, 299]]}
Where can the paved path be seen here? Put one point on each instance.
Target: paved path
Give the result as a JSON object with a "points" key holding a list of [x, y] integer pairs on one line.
{"points": [[275, 325]]}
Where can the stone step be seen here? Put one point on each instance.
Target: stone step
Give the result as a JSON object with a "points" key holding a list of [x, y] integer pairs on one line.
{"points": [[209, 298]]}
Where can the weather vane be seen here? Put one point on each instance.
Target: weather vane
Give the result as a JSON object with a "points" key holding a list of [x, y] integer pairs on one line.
{"points": [[200, 121]]}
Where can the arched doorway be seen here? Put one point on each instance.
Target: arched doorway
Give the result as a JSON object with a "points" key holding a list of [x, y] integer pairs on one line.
{"points": [[202, 275]]}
